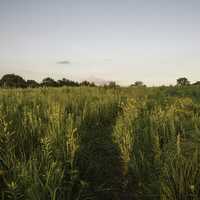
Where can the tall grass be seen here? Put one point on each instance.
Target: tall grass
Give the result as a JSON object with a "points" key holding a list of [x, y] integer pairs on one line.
{"points": [[99, 143]]}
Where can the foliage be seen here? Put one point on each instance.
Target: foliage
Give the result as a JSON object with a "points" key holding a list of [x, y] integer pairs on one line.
{"points": [[99, 143], [87, 83], [16, 81], [49, 82], [32, 83], [183, 81], [66, 82], [12, 80]]}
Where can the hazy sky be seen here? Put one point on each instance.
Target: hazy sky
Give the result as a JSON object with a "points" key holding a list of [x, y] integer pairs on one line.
{"points": [[155, 41]]}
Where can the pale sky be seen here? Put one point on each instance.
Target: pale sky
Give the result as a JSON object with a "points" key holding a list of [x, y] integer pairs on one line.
{"points": [[154, 41]]}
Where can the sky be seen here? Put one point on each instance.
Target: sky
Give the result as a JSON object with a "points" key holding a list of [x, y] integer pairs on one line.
{"points": [[154, 41]]}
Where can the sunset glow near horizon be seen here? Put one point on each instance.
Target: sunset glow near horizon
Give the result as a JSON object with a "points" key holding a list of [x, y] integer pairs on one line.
{"points": [[154, 41]]}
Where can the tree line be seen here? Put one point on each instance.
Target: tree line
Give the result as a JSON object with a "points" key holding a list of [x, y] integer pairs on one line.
{"points": [[16, 81]]}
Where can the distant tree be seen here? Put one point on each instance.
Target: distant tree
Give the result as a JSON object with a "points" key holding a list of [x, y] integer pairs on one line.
{"points": [[63, 82], [32, 83], [92, 84], [111, 84], [49, 82], [196, 83], [13, 81], [87, 83], [66, 82], [183, 82]]}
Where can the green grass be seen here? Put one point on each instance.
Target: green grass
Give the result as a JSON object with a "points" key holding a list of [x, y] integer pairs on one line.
{"points": [[98, 143]]}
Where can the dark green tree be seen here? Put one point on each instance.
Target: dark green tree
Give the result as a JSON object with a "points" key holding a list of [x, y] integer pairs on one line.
{"points": [[49, 82], [182, 82], [87, 83], [196, 83], [67, 82], [32, 83], [112, 84], [13, 81]]}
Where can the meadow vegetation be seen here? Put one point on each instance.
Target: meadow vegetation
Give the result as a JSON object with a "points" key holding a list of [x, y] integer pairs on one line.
{"points": [[85, 143]]}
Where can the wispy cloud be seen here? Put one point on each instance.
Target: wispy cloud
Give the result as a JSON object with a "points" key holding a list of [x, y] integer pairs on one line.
{"points": [[64, 62]]}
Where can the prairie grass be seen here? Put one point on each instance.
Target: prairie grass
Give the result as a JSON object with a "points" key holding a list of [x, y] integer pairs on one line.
{"points": [[100, 143]]}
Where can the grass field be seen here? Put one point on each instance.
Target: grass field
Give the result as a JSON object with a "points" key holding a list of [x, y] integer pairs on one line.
{"points": [[98, 143]]}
